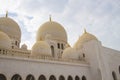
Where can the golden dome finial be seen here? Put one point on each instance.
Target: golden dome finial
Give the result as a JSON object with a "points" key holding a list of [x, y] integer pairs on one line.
{"points": [[85, 30], [6, 14], [50, 18]]}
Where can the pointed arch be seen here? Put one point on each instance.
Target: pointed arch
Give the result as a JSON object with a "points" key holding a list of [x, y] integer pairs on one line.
{"points": [[42, 77], [2, 77], [52, 77], [61, 77], [77, 78], [119, 69], [16, 77], [114, 75], [84, 78], [30, 77], [70, 78]]}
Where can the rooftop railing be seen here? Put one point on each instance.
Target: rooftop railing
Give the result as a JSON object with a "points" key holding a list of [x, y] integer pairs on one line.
{"points": [[27, 54]]}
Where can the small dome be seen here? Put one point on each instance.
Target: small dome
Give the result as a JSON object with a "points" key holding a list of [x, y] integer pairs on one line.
{"points": [[70, 53], [85, 38], [41, 48], [5, 42], [54, 29], [67, 45], [24, 47], [10, 27]]}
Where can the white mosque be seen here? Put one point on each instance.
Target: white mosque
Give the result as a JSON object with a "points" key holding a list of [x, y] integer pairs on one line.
{"points": [[52, 58]]}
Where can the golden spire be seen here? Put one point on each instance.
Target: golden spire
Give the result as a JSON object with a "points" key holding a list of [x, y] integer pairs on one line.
{"points": [[6, 14], [85, 30], [50, 18]]}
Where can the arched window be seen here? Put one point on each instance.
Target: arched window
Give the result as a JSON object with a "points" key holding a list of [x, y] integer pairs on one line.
{"points": [[16, 43], [70, 78], [52, 77], [42, 77], [61, 78], [114, 75], [12, 47], [84, 78], [52, 49], [62, 46], [2, 77], [119, 69], [83, 55], [58, 46], [30, 77], [16, 77], [0, 51], [77, 78]]}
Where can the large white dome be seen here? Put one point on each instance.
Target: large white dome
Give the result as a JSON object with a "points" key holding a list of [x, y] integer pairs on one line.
{"points": [[10, 27], [54, 29], [84, 38], [5, 42], [41, 48]]}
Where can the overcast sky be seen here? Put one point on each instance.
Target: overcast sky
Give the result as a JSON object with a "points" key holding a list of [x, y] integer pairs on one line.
{"points": [[99, 17]]}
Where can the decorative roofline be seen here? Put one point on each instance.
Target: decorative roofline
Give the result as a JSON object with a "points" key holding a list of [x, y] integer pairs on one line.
{"points": [[26, 54]]}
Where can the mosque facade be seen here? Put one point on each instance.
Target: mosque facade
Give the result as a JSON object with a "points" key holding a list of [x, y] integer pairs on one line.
{"points": [[51, 56]]}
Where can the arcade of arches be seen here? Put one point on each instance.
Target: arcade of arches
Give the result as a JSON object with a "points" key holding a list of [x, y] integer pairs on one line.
{"points": [[42, 77]]}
